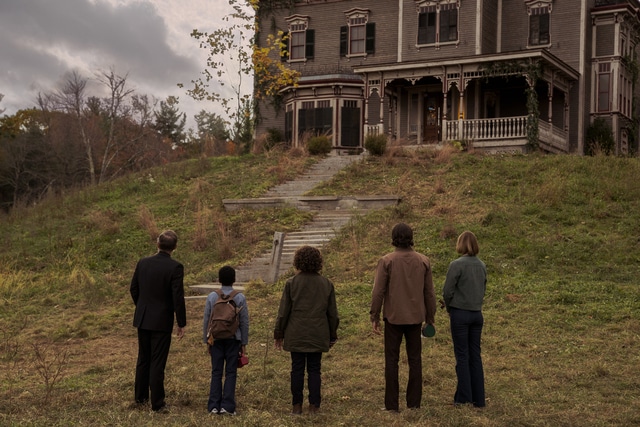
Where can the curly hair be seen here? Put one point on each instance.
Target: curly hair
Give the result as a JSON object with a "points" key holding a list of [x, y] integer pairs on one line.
{"points": [[308, 260]]}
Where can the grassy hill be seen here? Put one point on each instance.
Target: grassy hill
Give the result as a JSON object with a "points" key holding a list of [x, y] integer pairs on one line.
{"points": [[560, 236]]}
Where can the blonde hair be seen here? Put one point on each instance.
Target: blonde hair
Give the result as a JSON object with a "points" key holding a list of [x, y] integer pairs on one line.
{"points": [[467, 244]]}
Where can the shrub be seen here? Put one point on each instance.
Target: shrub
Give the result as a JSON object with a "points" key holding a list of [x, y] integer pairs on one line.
{"points": [[318, 145], [376, 144], [599, 138], [274, 137]]}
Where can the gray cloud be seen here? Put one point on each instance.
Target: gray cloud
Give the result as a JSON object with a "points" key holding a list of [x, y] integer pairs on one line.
{"points": [[41, 40]]}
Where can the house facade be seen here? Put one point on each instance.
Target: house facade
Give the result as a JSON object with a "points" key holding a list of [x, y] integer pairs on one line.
{"points": [[503, 75]]}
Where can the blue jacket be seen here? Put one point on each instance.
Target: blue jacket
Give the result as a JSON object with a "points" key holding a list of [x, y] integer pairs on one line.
{"points": [[242, 334]]}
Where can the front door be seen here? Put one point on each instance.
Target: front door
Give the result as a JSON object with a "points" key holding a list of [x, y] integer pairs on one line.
{"points": [[432, 118]]}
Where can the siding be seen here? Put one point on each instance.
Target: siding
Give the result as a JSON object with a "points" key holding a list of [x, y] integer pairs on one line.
{"points": [[605, 35], [489, 26]]}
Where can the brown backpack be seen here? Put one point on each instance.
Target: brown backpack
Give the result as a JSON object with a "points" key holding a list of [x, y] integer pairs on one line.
{"points": [[224, 320]]}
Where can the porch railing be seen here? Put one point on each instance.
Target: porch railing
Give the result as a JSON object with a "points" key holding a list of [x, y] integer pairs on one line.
{"points": [[505, 128], [555, 138], [486, 129], [373, 129]]}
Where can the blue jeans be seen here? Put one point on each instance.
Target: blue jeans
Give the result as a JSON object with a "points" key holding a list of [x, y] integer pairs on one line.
{"points": [[314, 364], [224, 356], [466, 330]]}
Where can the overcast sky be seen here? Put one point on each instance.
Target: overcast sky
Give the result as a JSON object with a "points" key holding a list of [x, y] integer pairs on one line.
{"points": [[41, 40]]}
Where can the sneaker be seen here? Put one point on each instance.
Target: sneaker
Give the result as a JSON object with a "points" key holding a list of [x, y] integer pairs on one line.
{"points": [[214, 411], [225, 412], [297, 409]]}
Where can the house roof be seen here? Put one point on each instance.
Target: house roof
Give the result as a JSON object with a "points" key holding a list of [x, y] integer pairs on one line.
{"points": [[548, 59]]}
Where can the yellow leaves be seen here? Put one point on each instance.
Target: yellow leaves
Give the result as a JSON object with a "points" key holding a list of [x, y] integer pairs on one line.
{"points": [[270, 75]]}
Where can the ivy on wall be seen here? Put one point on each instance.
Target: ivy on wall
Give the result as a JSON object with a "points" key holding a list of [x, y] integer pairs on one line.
{"points": [[532, 70]]}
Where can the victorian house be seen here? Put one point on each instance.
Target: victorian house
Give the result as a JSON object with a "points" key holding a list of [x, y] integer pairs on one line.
{"points": [[486, 72]]}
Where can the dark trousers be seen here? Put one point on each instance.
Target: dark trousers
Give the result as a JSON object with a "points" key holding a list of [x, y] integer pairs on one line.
{"points": [[466, 329], [153, 350], [392, 339], [224, 358], [313, 362]]}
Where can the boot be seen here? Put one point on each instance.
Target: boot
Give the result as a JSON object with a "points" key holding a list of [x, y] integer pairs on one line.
{"points": [[297, 409], [313, 409]]}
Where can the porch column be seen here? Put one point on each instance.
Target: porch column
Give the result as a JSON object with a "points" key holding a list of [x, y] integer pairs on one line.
{"points": [[566, 111], [391, 121], [444, 106], [382, 95], [550, 95], [366, 105], [461, 114]]}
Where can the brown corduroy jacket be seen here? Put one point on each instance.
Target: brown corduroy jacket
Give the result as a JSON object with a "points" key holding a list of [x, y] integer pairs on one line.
{"points": [[403, 289]]}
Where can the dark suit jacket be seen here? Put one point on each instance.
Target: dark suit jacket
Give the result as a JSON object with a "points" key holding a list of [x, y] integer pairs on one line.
{"points": [[158, 292]]}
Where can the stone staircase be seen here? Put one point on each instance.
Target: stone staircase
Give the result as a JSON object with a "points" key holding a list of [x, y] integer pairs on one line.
{"points": [[330, 215]]}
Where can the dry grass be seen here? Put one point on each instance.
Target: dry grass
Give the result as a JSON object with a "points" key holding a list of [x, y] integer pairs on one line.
{"points": [[561, 321], [147, 222]]}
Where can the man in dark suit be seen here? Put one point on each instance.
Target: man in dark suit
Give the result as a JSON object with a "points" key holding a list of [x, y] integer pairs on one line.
{"points": [[157, 292]]}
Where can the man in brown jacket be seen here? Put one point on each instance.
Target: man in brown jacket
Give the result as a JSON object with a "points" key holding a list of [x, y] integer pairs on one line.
{"points": [[403, 290]]}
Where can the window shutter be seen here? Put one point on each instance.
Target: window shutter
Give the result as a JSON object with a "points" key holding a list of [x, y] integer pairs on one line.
{"points": [[284, 51], [310, 44], [344, 40], [370, 46]]}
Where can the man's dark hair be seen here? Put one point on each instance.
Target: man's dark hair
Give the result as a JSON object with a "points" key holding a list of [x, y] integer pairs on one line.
{"points": [[308, 260], [227, 275], [167, 241], [402, 236]]}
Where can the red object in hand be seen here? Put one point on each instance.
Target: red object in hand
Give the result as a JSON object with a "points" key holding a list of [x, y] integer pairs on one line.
{"points": [[242, 360]]}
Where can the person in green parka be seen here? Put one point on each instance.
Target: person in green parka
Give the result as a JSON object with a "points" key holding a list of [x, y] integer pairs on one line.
{"points": [[307, 325]]}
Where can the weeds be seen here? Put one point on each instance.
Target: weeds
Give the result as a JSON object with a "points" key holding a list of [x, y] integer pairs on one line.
{"points": [[559, 235], [49, 362]]}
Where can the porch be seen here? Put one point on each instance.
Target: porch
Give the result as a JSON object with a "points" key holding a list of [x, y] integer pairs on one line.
{"points": [[497, 134]]}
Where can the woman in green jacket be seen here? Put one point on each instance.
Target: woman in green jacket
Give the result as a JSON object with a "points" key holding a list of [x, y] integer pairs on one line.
{"points": [[307, 324], [463, 295]]}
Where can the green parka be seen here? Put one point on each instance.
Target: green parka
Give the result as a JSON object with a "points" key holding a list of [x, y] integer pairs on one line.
{"points": [[308, 315]]}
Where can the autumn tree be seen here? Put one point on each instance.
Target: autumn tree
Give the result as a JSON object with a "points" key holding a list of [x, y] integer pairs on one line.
{"points": [[24, 166], [116, 130], [234, 56]]}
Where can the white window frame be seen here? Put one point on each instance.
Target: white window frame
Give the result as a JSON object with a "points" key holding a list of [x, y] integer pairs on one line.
{"points": [[298, 25], [357, 18]]}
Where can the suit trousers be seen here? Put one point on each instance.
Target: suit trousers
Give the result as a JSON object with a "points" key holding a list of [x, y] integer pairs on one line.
{"points": [[466, 329], [153, 351], [392, 340]]}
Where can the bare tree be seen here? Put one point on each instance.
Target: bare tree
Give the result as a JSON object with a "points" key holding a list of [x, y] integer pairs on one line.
{"points": [[71, 98], [1, 109], [115, 108]]}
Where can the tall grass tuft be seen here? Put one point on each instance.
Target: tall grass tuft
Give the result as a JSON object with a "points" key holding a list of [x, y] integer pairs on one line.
{"points": [[147, 222]]}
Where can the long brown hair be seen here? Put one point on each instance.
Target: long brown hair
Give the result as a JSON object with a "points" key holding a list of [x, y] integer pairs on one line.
{"points": [[467, 244]]}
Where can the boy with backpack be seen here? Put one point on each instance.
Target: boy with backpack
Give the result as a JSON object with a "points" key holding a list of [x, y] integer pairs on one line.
{"points": [[226, 333]]}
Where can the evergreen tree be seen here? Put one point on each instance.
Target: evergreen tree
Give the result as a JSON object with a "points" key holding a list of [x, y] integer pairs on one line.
{"points": [[170, 121]]}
